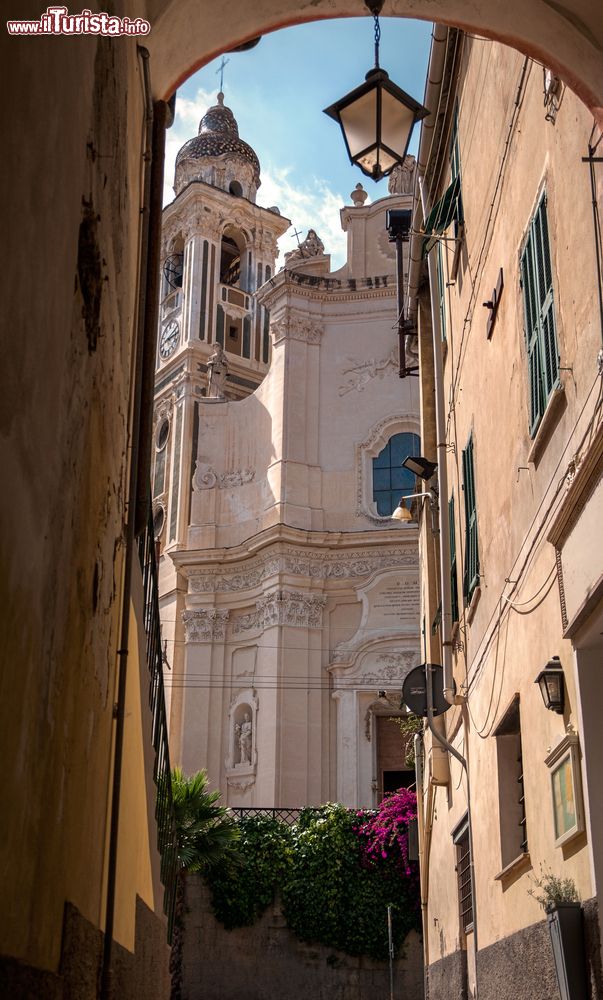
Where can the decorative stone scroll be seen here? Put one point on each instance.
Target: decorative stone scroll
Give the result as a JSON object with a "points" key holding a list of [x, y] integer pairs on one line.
{"points": [[206, 477], [283, 607], [205, 624]]}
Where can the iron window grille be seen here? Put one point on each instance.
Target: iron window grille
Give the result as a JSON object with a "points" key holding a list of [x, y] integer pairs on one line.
{"points": [[464, 873]]}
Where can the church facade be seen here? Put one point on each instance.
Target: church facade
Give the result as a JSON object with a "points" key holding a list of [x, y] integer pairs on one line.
{"points": [[289, 597]]}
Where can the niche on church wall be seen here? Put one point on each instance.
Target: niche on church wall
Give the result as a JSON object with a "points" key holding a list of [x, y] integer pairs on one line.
{"points": [[241, 762]]}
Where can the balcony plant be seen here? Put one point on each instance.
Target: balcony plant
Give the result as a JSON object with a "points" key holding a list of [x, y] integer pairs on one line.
{"points": [[561, 903]]}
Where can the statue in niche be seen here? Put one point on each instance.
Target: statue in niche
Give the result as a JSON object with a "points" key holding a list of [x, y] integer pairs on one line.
{"points": [[243, 733], [217, 368], [401, 179]]}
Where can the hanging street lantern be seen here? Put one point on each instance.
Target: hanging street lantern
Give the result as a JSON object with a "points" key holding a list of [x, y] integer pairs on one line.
{"points": [[377, 118], [551, 684]]}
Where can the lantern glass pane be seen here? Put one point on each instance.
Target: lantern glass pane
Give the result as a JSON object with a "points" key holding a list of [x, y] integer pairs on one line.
{"points": [[396, 123], [359, 122], [385, 161], [552, 682]]}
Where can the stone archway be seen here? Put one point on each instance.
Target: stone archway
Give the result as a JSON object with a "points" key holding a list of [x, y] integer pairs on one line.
{"points": [[568, 37]]}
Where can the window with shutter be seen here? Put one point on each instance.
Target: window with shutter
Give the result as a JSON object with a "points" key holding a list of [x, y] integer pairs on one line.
{"points": [[453, 577], [471, 569], [539, 315], [442, 293], [455, 168]]}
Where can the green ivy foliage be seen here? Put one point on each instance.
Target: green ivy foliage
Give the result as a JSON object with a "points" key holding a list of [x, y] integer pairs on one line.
{"points": [[244, 886], [333, 891]]}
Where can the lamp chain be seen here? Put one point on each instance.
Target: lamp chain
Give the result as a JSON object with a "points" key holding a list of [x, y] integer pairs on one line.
{"points": [[377, 39]]}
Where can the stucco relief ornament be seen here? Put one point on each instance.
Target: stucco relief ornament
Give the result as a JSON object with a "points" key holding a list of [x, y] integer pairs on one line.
{"points": [[363, 371], [324, 566], [239, 477], [205, 624]]}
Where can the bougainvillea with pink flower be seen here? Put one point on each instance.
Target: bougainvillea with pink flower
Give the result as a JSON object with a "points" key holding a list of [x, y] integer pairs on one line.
{"points": [[384, 836]]}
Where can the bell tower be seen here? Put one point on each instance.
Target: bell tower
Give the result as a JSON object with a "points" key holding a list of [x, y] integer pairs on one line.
{"points": [[218, 247]]}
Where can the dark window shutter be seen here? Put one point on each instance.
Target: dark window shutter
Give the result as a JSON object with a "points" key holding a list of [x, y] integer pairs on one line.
{"points": [[453, 577], [539, 310], [471, 571]]}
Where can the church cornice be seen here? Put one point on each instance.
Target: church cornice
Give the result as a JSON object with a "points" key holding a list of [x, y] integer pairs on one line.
{"points": [[315, 556], [323, 289]]}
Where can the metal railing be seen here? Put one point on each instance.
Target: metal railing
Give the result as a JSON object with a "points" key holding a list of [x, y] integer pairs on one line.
{"points": [[283, 814], [164, 808]]}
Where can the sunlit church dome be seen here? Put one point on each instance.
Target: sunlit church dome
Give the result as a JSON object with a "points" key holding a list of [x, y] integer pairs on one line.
{"points": [[218, 156]]}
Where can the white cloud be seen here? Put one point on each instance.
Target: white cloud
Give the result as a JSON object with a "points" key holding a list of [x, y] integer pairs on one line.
{"points": [[311, 204]]}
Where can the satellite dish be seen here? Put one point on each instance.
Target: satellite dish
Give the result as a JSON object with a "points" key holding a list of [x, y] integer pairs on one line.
{"points": [[172, 269], [414, 689]]}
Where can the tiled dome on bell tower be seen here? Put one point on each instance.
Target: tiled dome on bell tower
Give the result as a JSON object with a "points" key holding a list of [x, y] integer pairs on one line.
{"points": [[218, 156]]}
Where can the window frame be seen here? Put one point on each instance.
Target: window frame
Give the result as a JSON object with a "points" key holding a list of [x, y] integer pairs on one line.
{"points": [[540, 325], [471, 575], [394, 492]]}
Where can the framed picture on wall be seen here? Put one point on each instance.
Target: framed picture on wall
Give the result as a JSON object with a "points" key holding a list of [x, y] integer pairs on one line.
{"points": [[563, 762]]}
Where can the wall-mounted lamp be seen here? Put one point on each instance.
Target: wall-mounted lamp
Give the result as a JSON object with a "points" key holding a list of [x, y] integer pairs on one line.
{"points": [[377, 118], [552, 685], [402, 513], [420, 466]]}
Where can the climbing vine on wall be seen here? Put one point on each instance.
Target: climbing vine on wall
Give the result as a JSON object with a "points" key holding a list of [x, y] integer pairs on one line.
{"points": [[336, 870]]}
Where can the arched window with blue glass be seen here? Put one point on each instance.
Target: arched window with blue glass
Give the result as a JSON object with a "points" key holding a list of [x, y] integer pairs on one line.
{"points": [[390, 480]]}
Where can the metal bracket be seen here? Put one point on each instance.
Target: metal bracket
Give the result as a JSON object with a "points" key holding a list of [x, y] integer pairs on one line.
{"points": [[374, 6]]}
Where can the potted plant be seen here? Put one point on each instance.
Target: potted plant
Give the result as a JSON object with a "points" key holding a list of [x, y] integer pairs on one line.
{"points": [[561, 903]]}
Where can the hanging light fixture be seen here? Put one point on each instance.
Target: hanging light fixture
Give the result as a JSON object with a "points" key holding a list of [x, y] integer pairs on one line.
{"points": [[377, 118], [550, 682]]}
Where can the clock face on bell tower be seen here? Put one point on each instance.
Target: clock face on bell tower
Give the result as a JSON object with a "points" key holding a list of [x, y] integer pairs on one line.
{"points": [[168, 342]]}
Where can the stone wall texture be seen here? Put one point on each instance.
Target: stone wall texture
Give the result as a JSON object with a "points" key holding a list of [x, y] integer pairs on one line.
{"points": [[267, 961], [139, 975], [519, 967]]}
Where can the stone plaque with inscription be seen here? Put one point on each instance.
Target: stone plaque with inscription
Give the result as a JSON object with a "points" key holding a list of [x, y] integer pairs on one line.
{"points": [[391, 600]]}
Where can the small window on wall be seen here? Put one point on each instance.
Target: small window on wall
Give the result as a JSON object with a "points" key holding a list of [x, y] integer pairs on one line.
{"points": [[464, 874], [511, 798], [390, 480]]}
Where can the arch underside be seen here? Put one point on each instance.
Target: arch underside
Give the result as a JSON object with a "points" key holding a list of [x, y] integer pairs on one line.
{"points": [[567, 37]]}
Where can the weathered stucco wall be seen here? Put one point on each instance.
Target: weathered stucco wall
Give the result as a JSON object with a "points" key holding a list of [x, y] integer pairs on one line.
{"points": [[72, 167], [513, 625], [267, 961]]}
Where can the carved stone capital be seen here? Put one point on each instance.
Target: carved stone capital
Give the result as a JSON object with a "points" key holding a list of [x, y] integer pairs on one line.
{"points": [[292, 325], [283, 607], [205, 624]]}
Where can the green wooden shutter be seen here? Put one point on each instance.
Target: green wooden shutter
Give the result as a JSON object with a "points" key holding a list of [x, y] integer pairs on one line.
{"points": [[442, 293], [471, 569], [528, 285], [549, 352], [455, 167], [539, 311], [454, 593]]}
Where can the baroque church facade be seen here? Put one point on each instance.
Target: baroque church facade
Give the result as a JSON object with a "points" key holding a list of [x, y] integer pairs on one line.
{"points": [[289, 597]]}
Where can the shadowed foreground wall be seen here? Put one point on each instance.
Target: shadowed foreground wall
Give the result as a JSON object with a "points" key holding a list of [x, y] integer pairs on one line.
{"points": [[267, 961]]}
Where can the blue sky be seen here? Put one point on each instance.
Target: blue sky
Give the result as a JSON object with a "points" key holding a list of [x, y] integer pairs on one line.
{"points": [[277, 92]]}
